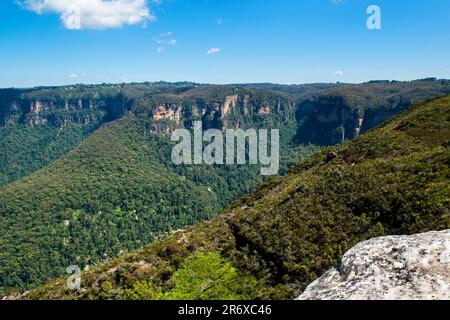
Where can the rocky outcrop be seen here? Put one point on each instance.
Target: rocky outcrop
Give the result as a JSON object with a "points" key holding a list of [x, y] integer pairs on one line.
{"points": [[389, 268], [166, 118], [265, 109], [246, 104], [360, 125], [159, 129], [167, 112], [229, 105], [33, 120], [36, 106]]}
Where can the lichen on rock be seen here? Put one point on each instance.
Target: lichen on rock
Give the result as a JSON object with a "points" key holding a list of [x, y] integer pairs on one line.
{"points": [[413, 267]]}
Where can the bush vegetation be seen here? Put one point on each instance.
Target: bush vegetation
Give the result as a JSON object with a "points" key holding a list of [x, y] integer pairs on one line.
{"points": [[392, 180]]}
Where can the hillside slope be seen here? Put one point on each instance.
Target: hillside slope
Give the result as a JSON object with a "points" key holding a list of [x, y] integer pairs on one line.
{"points": [[119, 190], [272, 244], [39, 126]]}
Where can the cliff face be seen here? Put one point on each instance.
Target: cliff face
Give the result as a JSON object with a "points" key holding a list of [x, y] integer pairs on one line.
{"points": [[395, 268], [327, 117], [61, 117], [59, 107], [344, 112], [23, 108], [8, 104], [240, 110], [329, 120]]}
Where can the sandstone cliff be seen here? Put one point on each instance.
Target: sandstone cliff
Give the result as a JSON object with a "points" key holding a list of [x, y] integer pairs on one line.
{"points": [[32, 109]]}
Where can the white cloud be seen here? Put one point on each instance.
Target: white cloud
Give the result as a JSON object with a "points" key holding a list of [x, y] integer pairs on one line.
{"points": [[339, 73], [213, 51], [93, 14], [73, 75], [162, 40]]}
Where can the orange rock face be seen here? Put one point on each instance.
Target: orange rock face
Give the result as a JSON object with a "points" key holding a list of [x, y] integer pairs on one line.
{"points": [[265, 109], [229, 105], [167, 113]]}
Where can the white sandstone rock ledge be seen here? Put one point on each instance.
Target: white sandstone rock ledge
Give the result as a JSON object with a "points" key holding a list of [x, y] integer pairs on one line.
{"points": [[413, 267]]}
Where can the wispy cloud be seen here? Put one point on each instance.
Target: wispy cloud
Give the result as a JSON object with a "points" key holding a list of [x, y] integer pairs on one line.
{"points": [[164, 39], [213, 51], [72, 75], [93, 14], [339, 73]]}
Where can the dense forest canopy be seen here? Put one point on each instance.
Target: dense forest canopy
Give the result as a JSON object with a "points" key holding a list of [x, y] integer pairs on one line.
{"points": [[87, 174], [273, 243]]}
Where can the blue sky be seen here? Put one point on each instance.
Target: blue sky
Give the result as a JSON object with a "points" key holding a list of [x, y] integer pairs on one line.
{"points": [[283, 41]]}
